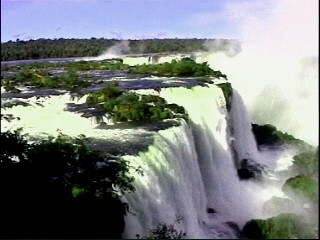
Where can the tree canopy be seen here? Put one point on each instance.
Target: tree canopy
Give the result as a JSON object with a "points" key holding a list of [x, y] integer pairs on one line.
{"points": [[60, 188]]}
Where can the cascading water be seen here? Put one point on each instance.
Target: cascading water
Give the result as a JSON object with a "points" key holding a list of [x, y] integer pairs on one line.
{"points": [[242, 137], [168, 167], [189, 171]]}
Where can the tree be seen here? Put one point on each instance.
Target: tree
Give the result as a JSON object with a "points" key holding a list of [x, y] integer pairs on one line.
{"points": [[60, 188]]}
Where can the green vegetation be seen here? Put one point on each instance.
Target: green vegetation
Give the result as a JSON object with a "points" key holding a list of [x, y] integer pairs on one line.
{"points": [[308, 162], [227, 92], [107, 64], [178, 68], [302, 186], [284, 226], [41, 75], [128, 106], [42, 79], [60, 188], [60, 48], [269, 135]]}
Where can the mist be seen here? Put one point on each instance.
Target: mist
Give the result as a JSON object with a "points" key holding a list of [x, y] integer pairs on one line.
{"points": [[115, 51], [276, 71]]}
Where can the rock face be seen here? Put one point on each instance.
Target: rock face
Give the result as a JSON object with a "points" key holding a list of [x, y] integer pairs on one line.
{"points": [[235, 228], [211, 210], [250, 169]]}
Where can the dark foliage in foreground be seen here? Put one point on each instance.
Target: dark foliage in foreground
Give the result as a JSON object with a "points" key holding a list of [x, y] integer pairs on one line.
{"points": [[59, 188]]}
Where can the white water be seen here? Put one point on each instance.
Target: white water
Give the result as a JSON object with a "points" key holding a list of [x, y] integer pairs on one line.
{"points": [[189, 169], [277, 71], [47, 116], [242, 138]]}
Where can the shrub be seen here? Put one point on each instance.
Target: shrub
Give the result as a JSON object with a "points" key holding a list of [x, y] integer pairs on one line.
{"points": [[283, 226], [177, 68], [302, 186], [308, 162]]}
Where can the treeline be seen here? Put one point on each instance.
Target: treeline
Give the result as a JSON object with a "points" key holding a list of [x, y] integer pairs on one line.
{"points": [[59, 48]]}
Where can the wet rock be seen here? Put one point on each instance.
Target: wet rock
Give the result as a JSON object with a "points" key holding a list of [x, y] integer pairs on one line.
{"points": [[234, 226], [250, 169], [211, 210]]}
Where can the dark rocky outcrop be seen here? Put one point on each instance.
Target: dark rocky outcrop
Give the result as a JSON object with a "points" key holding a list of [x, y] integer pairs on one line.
{"points": [[211, 210], [250, 169]]}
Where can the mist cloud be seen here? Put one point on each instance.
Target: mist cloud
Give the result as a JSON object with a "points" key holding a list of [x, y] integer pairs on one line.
{"points": [[277, 70]]}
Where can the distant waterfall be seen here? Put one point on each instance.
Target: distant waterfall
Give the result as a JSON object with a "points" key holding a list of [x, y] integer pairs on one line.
{"points": [[189, 171]]}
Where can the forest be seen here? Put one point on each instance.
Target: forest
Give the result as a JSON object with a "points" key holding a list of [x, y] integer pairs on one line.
{"points": [[60, 48]]}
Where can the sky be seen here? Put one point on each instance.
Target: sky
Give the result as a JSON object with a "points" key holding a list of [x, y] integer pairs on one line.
{"points": [[277, 67], [125, 19]]}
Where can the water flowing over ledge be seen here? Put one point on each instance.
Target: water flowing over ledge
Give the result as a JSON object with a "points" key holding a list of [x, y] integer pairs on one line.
{"points": [[190, 171]]}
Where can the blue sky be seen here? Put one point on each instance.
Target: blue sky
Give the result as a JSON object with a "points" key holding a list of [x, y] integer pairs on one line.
{"points": [[124, 19]]}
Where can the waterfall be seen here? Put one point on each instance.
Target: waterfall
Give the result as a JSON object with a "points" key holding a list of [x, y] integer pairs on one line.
{"points": [[189, 170], [165, 190], [242, 136]]}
